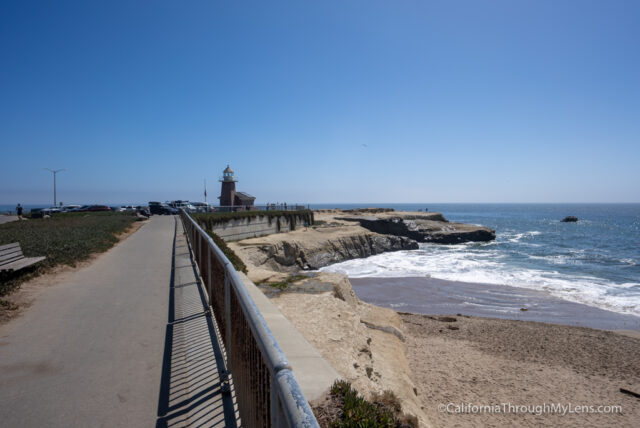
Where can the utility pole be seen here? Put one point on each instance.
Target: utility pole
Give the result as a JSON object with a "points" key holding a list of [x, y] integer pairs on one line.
{"points": [[55, 202]]}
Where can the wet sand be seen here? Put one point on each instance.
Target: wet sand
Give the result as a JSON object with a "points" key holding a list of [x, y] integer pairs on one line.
{"points": [[435, 296]]}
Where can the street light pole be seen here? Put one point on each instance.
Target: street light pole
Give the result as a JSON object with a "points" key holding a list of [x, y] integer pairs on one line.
{"points": [[55, 202]]}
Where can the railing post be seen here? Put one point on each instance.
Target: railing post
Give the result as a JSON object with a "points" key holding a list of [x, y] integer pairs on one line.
{"points": [[227, 314], [277, 419], [209, 291]]}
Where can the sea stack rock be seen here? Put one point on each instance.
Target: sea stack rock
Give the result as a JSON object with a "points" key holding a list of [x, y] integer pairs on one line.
{"points": [[570, 219]]}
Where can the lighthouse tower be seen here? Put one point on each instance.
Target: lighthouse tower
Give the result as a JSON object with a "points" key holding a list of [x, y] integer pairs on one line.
{"points": [[228, 191]]}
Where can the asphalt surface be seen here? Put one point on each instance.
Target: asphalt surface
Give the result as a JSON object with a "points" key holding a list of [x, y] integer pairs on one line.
{"points": [[89, 352]]}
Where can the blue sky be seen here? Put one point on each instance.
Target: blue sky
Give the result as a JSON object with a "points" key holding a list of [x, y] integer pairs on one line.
{"points": [[332, 101]]}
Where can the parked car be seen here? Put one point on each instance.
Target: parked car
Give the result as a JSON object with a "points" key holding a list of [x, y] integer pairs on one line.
{"points": [[144, 211], [185, 205], [177, 204], [98, 208], [200, 207], [68, 208], [38, 212], [161, 209]]}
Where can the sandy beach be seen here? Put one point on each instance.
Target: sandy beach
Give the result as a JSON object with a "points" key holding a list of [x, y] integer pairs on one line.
{"points": [[480, 361], [541, 355], [461, 360]]}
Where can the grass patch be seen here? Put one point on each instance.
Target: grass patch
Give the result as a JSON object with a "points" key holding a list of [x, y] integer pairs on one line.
{"points": [[236, 261], [283, 285], [348, 409], [65, 239]]}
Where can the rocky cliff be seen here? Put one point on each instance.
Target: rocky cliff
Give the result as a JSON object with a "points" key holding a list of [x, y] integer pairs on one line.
{"points": [[338, 236], [288, 255], [432, 227]]}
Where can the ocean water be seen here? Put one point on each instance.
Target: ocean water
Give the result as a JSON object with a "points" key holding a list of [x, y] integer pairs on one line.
{"points": [[595, 261], [12, 208]]}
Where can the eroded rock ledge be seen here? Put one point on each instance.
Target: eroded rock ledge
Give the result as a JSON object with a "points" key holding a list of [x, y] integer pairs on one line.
{"points": [[294, 255], [431, 227], [363, 342]]}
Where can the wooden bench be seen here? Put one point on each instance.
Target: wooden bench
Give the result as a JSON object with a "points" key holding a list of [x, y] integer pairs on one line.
{"points": [[12, 259]]}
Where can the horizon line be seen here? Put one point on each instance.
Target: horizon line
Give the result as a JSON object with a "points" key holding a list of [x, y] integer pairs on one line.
{"points": [[359, 203]]}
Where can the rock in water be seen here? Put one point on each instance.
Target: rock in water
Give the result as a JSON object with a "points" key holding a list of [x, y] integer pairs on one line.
{"points": [[570, 219]]}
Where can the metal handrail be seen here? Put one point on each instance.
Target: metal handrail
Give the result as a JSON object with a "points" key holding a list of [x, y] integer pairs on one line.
{"points": [[266, 389], [265, 207]]}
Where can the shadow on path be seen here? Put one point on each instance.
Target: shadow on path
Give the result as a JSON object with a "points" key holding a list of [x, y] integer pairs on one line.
{"points": [[190, 389]]}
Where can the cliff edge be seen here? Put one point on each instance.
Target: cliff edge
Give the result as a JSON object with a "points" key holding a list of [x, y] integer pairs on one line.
{"points": [[309, 248], [340, 235], [428, 227], [363, 342]]}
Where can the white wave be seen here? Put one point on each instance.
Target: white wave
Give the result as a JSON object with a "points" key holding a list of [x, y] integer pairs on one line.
{"points": [[398, 305], [521, 238], [459, 263], [516, 237], [558, 259]]}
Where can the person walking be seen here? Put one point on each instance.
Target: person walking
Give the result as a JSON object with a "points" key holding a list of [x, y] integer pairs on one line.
{"points": [[19, 211]]}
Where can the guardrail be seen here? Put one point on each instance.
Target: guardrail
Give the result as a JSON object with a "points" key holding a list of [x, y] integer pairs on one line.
{"points": [[267, 207], [267, 392]]}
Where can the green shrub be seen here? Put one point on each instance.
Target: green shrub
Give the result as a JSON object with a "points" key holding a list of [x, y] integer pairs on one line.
{"points": [[356, 412], [283, 285], [236, 261]]}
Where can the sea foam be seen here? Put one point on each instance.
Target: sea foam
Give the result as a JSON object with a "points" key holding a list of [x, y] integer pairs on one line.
{"points": [[475, 264]]}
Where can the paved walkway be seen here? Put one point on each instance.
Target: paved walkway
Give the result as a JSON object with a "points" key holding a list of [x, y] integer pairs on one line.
{"points": [[191, 390], [121, 343], [7, 218]]}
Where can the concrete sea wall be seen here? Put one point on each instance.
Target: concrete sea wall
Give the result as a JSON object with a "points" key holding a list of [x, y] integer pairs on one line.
{"points": [[253, 227]]}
